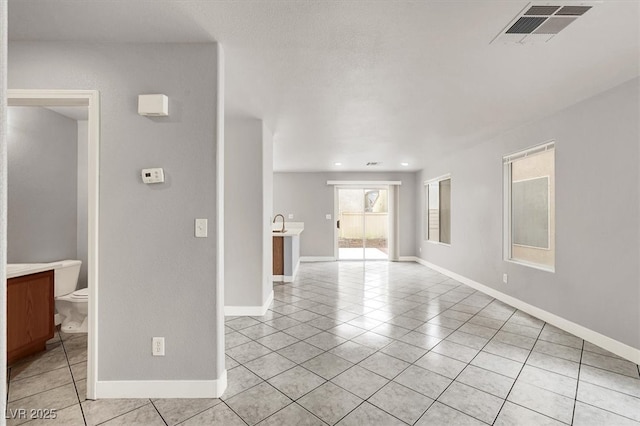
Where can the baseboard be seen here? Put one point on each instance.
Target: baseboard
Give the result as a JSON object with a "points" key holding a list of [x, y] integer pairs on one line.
{"points": [[408, 259], [283, 278], [317, 259], [161, 388], [249, 311], [612, 345], [288, 278]]}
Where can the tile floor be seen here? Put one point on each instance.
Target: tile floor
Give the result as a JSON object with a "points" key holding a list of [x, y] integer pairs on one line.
{"points": [[379, 343]]}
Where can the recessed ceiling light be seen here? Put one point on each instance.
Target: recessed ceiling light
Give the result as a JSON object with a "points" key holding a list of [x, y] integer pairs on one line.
{"points": [[337, 164], [404, 164]]}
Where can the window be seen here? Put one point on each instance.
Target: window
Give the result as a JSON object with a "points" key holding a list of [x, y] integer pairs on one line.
{"points": [[438, 210], [530, 207]]}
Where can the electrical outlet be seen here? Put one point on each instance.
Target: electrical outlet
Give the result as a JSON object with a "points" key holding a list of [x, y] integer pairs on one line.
{"points": [[290, 215], [327, 216], [505, 278], [157, 346]]}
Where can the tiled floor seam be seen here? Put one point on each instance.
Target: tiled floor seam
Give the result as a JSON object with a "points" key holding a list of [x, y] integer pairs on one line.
{"points": [[160, 414], [469, 363], [575, 399], [122, 414], [66, 355], [518, 376]]}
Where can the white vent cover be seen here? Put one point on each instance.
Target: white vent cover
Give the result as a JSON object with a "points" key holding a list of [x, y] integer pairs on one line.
{"points": [[541, 22]]}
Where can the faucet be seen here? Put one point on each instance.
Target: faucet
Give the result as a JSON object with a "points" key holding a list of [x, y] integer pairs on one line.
{"points": [[274, 221]]}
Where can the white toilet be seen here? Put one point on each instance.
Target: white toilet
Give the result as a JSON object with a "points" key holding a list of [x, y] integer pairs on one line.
{"points": [[71, 304]]}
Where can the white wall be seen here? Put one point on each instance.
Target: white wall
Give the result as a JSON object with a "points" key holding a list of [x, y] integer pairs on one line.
{"points": [[267, 213], [156, 278], [248, 195], [42, 176], [81, 243], [597, 214], [309, 198]]}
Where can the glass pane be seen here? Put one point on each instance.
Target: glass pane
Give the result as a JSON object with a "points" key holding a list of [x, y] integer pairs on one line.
{"points": [[532, 209], [445, 211], [376, 224], [434, 211]]}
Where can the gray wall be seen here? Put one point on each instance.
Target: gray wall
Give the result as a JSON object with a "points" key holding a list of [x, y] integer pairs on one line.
{"points": [[267, 212], [597, 209], [42, 202], [244, 212], [155, 277], [309, 198], [81, 244]]}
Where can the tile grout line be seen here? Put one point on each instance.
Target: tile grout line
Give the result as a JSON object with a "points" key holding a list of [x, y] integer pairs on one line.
{"points": [[403, 370], [575, 399], [66, 356], [469, 363], [518, 376], [159, 413], [378, 350], [291, 296]]}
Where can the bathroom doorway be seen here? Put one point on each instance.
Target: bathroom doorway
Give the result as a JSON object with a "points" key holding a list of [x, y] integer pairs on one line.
{"points": [[362, 223], [83, 106]]}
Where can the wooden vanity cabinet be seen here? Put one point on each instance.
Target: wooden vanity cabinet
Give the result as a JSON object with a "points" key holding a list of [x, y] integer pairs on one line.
{"points": [[278, 255], [30, 314]]}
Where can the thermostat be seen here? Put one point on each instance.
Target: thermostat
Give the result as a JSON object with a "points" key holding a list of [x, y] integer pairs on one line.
{"points": [[153, 175]]}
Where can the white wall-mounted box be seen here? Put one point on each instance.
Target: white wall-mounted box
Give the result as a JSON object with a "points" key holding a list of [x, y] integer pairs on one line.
{"points": [[155, 105]]}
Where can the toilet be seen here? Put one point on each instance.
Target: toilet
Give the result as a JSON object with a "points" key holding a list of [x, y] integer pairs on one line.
{"points": [[71, 304]]}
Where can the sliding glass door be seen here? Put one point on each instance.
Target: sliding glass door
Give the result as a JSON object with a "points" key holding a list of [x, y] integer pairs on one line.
{"points": [[363, 223]]}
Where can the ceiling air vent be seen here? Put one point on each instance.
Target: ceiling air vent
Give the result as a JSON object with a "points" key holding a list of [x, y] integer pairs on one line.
{"points": [[374, 163], [540, 22]]}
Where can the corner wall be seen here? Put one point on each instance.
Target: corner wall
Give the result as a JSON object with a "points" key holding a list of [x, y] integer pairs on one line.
{"points": [[597, 214], [248, 203], [156, 278]]}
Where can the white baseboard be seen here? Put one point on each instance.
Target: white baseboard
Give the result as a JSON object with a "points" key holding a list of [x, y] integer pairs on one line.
{"points": [[283, 278], [162, 388], [612, 345], [288, 278], [317, 259], [249, 311], [408, 259]]}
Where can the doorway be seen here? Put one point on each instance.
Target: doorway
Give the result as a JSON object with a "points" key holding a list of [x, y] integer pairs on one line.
{"points": [[63, 102], [362, 223]]}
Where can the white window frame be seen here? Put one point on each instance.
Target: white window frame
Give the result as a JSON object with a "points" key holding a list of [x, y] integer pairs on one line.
{"points": [[506, 215], [426, 183]]}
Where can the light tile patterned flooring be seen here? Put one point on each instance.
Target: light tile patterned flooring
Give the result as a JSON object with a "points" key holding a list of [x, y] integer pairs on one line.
{"points": [[375, 343]]}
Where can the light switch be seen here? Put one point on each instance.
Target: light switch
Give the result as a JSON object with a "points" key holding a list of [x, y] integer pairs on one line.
{"points": [[201, 228], [328, 217]]}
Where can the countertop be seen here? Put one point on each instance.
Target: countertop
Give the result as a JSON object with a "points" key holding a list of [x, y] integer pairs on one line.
{"points": [[291, 229], [20, 269]]}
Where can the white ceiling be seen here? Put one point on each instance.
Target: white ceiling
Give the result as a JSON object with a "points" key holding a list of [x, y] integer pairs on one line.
{"points": [[358, 81]]}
